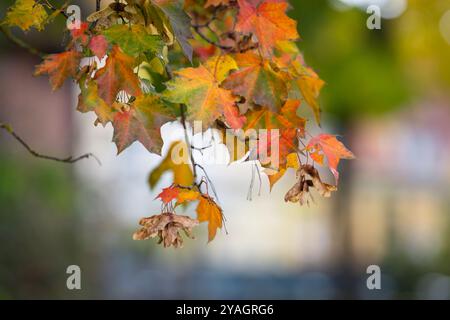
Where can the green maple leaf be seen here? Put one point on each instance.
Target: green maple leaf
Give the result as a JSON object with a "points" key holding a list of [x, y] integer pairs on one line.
{"points": [[134, 40], [178, 21]]}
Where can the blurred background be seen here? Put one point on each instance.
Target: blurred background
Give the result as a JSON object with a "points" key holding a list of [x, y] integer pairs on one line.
{"points": [[387, 95]]}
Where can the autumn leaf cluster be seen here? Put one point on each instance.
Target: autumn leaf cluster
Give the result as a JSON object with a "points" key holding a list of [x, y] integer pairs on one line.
{"points": [[232, 64]]}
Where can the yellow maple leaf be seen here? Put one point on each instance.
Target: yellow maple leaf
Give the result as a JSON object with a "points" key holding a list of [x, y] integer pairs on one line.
{"points": [[209, 211], [182, 172], [26, 14]]}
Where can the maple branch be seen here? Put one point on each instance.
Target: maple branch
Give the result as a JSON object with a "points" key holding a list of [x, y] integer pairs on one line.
{"points": [[186, 138], [209, 180], [201, 149], [70, 159], [197, 29], [53, 8], [19, 42]]}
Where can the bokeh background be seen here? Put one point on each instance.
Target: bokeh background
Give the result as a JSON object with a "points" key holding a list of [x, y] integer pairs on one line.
{"points": [[387, 95]]}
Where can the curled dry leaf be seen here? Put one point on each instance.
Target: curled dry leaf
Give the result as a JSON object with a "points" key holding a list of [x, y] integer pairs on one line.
{"points": [[167, 227], [308, 177]]}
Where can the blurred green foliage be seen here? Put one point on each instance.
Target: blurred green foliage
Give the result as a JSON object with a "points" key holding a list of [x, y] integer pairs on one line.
{"points": [[362, 74], [37, 228]]}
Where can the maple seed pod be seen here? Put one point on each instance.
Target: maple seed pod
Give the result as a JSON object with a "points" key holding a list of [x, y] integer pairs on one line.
{"points": [[167, 227]]}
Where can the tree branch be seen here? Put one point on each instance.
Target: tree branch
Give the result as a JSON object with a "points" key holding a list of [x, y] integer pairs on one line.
{"points": [[197, 29], [70, 159], [21, 43], [61, 10]]}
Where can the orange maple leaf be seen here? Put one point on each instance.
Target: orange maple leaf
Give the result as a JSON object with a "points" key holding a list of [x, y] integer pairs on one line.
{"points": [[187, 195], [199, 88], [310, 85], [268, 21], [327, 145], [168, 194], [257, 82], [286, 121], [59, 67], [292, 161], [117, 75], [209, 211]]}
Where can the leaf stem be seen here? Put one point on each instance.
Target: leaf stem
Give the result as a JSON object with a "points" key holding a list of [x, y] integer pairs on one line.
{"points": [[188, 143]]}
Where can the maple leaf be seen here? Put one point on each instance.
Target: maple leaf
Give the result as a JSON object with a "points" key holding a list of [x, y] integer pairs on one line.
{"points": [[331, 148], [287, 118], [292, 161], [268, 21], [88, 100], [310, 85], [59, 67], [134, 39], [205, 52], [80, 34], [182, 173], [168, 194], [166, 226], [257, 82], [26, 14], [98, 46], [142, 122], [290, 59], [199, 88], [117, 75], [286, 121], [209, 211], [179, 22], [187, 195]]}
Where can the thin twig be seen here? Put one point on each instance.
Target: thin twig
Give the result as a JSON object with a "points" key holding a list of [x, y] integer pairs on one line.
{"points": [[70, 159], [259, 178], [19, 42], [60, 10], [98, 4], [197, 29], [209, 181], [186, 137], [250, 188]]}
